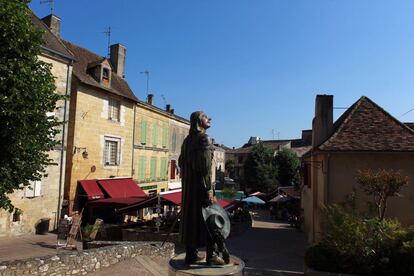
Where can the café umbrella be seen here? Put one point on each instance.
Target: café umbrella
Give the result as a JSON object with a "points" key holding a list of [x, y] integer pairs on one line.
{"points": [[253, 200]]}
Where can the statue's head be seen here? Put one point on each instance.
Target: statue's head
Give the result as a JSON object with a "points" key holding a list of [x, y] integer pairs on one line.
{"points": [[199, 122]]}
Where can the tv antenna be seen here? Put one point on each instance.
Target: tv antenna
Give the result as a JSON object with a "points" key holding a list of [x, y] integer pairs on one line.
{"points": [[108, 33], [51, 4], [146, 72]]}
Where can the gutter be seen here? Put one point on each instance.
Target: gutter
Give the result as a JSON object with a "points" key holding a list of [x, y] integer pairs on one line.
{"points": [[72, 59], [62, 150]]}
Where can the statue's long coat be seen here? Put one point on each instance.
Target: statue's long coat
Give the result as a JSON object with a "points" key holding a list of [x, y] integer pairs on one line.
{"points": [[195, 165]]}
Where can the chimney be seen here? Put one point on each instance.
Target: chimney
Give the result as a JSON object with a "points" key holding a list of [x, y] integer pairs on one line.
{"points": [[307, 137], [172, 110], [117, 58], [150, 98], [168, 108], [322, 124], [53, 23]]}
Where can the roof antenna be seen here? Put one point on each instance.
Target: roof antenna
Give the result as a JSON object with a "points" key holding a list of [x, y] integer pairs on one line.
{"points": [[107, 33], [51, 4], [146, 72]]}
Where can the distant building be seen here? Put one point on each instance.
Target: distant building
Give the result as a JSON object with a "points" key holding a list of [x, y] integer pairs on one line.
{"points": [[239, 155], [158, 140], [43, 199], [364, 137], [219, 162]]}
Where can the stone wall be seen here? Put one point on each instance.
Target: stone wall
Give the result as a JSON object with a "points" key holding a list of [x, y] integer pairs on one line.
{"points": [[103, 254]]}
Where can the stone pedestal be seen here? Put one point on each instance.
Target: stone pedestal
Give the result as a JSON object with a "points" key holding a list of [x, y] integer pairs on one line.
{"points": [[177, 267]]}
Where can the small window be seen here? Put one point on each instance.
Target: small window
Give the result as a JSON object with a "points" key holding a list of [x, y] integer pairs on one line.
{"points": [[111, 152], [113, 109], [105, 74], [33, 190]]}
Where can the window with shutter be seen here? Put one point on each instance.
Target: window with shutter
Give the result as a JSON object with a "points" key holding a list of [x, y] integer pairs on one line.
{"points": [[143, 132], [111, 151], [155, 134], [153, 168], [33, 190], [142, 168], [174, 141], [113, 109], [164, 137], [164, 169]]}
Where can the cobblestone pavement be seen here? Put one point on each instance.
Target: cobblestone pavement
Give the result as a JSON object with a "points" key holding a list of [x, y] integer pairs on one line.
{"points": [[270, 248], [27, 246]]}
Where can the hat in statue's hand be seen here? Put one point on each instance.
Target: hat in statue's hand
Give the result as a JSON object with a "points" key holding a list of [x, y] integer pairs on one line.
{"points": [[216, 218]]}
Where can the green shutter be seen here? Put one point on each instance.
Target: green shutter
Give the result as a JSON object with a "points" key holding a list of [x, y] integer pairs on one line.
{"points": [[164, 137], [143, 132], [155, 134], [153, 168], [142, 167], [163, 168]]}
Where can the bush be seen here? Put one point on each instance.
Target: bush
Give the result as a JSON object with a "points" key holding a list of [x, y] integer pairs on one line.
{"points": [[354, 244]]}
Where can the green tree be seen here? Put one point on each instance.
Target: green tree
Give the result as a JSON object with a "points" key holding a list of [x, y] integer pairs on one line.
{"points": [[287, 164], [27, 88], [230, 168], [381, 185], [259, 170]]}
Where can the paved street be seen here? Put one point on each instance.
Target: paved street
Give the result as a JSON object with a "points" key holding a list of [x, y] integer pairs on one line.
{"points": [[269, 248]]}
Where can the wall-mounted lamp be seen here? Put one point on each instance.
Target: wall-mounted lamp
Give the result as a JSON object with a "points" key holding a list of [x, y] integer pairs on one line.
{"points": [[84, 152]]}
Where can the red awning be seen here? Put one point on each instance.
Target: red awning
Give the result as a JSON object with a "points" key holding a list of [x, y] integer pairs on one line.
{"points": [[225, 203], [173, 197], [121, 188], [92, 189], [116, 202], [176, 199]]}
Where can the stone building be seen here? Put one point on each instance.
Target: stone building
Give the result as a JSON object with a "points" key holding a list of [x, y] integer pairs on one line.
{"points": [[158, 139], [44, 198], [299, 146], [219, 161], [364, 137], [178, 130], [101, 122]]}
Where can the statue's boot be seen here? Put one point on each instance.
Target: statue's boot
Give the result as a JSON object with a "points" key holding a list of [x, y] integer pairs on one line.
{"points": [[213, 259], [192, 256]]}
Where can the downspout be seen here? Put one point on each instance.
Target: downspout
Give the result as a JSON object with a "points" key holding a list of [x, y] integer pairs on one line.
{"points": [[133, 143], [62, 150], [327, 194]]}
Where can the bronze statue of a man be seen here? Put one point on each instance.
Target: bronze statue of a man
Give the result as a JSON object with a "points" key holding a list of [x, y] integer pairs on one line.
{"points": [[195, 164]]}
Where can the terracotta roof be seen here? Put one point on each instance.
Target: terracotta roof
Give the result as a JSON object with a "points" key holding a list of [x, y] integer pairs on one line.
{"points": [[271, 144], [365, 126], [410, 125], [300, 151], [50, 41], [83, 58]]}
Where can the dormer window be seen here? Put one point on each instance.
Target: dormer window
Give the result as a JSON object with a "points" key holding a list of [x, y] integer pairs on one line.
{"points": [[114, 107], [106, 76]]}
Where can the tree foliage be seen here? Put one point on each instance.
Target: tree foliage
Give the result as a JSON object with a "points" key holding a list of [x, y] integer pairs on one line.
{"points": [[287, 164], [259, 170], [381, 185], [230, 168], [27, 88]]}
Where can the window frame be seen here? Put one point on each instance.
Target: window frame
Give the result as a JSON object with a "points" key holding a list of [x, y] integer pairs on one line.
{"points": [[118, 152], [111, 107]]}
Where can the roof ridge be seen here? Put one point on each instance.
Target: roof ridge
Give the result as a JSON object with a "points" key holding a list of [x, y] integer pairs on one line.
{"points": [[389, 115], [84, 49]]}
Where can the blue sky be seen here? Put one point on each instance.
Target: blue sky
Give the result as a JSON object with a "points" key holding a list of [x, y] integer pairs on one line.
{"points": [[254, 66]]}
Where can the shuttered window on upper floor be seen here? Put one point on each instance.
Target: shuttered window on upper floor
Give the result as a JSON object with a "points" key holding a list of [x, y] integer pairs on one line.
{"points": [[155, 134], [142, 168], [114, 107], [164, 137], [153, 168], [164, 168], [143, 137]]}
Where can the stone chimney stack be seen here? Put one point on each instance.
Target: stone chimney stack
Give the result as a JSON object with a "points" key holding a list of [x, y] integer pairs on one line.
{"points": [[172, 110], [117, 58], [150, 99], [168, 108], [322, 123], [53, 23]]}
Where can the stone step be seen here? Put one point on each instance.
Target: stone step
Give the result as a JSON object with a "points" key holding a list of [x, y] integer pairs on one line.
{"points": [[152, 266]]}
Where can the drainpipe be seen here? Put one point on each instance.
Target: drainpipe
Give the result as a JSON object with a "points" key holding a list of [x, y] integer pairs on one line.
{"points": [[133, 143], [62, 150]]}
